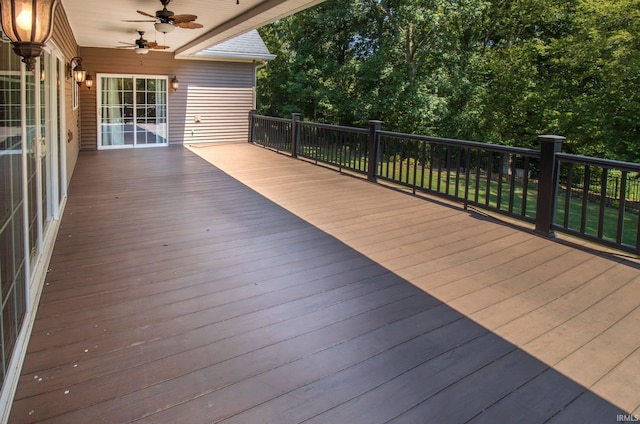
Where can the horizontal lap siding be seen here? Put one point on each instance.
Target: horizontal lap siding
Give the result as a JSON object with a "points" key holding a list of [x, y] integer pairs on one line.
{"points": [[221, 93], [65, 41], [222, 97]]}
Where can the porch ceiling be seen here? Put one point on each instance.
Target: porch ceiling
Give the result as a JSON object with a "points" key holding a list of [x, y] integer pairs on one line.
{"points": [[97, 23]]}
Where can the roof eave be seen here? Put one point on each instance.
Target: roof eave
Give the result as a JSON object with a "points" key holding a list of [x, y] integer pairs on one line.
{"points": [[229, 57]]}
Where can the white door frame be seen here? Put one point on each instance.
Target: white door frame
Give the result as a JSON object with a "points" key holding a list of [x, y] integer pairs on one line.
{"points": [[134, 77]]}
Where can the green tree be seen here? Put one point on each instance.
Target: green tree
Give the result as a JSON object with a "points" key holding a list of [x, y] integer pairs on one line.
{"points": [[501, 71], [312, 73], [598, 79]]}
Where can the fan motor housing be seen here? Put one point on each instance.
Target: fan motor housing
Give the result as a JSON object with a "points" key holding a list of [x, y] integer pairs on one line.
{"points": [[164, 14]]}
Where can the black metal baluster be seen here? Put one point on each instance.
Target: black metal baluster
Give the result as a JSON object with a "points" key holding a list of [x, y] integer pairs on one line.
{"points": [[622, 206], [569, 190], [603, 201], [585, 198]]}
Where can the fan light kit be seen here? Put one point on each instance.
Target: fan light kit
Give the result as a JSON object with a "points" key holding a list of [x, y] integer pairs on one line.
{"points": [[164, 27]]}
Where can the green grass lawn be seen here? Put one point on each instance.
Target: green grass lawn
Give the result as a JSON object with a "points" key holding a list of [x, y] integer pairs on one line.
{"points": [[609, 222]]}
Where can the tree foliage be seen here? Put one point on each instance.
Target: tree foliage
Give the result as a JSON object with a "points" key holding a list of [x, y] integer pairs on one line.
{"points": [[500, 71]]}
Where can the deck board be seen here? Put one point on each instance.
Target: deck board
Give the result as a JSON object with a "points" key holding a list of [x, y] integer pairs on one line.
{"points": [[265, 289], [518, 296], [401, 394]]}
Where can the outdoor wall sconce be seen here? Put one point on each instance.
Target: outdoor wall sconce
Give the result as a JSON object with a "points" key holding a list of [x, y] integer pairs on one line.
{"points": [[89, 82], [175, 83], [76, 72], [28, 24]]}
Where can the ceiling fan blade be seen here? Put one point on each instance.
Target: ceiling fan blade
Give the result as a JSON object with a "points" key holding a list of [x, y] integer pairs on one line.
{"points": [[159, 47], [124, 47], [124, 42], [150, 44], [146, 14], [189, 25], [183, 18]]}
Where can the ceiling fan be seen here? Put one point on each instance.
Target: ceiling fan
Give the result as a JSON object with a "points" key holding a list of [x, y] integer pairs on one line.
{"points": [[142, 46], [166, 21]]}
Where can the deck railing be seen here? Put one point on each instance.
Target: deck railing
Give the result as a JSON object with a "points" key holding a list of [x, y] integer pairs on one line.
{"points": [[493, 177], [274, 133], [595, 200], [586, 197], [344, 147]]}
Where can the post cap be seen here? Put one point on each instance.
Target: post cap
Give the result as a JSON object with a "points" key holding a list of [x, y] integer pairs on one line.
{"points": [[551, 138]]}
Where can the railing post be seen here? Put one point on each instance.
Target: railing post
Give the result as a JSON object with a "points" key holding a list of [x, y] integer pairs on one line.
{"points": [[252, 112], [374, 127], [547, 182], [295, 117]]}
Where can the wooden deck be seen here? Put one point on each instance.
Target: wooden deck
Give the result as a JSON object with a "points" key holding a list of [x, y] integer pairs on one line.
{"points": [[268, 290]]}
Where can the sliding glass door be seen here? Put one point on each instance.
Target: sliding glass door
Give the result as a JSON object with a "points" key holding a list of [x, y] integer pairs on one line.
{"points": [[12, 235], [31, 185], [132, 111]]}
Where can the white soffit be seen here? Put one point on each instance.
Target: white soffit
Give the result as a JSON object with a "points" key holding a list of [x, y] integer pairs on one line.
{"points": [[99, 23]]}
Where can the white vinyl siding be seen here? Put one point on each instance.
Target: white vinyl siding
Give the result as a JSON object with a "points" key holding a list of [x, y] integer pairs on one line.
{"points": [[222, 114]]}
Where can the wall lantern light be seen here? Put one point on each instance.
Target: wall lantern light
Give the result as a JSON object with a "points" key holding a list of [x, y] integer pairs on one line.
{"points": [[175, 83], [28, 24], [89, 82], [76, 72]]}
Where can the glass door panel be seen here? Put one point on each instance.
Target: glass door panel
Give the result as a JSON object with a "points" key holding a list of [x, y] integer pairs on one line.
{"points": [[48, 134], [32, 166], [59, 70], [116, 125], [151, 127]]}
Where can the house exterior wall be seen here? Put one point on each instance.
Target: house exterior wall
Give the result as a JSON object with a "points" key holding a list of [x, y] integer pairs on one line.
{"points": [[220, 93], [65, 41]]}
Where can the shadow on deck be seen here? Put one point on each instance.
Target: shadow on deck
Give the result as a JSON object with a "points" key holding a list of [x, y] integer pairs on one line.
{"points": [[179, 292]]}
